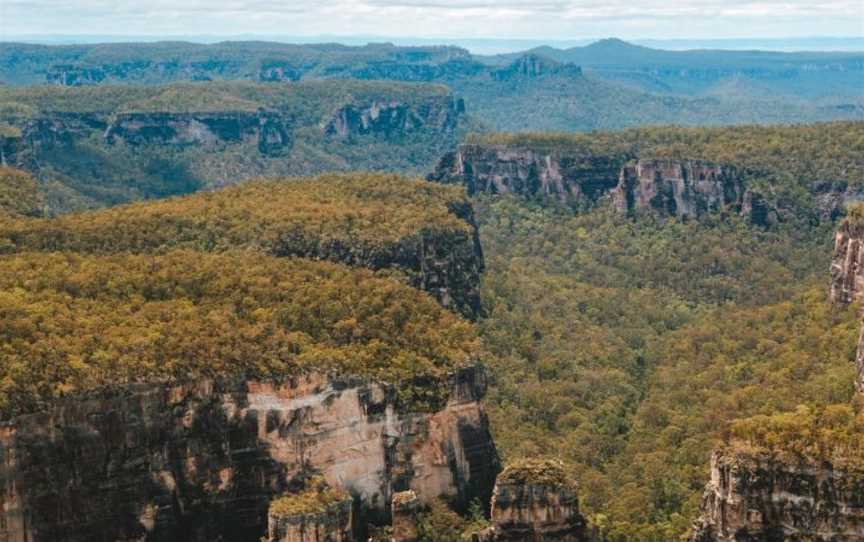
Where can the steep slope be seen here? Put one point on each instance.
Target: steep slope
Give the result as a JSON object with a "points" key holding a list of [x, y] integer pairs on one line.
{"points": [[182, 392], [176, 366], [424, 231], [763, 173], [98, 146], [695, 72]]}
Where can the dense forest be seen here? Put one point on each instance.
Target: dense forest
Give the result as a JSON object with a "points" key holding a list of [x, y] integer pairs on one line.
{"points": [[98, 146]]}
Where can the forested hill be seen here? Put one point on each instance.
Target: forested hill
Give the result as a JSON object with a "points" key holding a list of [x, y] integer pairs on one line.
{"points": [[610, 84], [715, 72], [103, 145]]}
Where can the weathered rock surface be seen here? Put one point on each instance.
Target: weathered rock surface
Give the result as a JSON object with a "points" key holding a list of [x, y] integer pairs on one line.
{"points": [[334, 524], [534, 511], [833, 198], [268, 131], [754, 498], [847, 264], [405, 508], [202, 461], [393, 117], [683, 189], [506, 170]]}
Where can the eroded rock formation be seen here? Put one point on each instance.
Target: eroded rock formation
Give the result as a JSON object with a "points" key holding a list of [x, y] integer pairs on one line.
{"points": [[762, 498], [535, 502], [683, 189], [268, 131], [202, 461], [505, 170], [331, 525], [847, 264], [394, 117], [405, 508]]}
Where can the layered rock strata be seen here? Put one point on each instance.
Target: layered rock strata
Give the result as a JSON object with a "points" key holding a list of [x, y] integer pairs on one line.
{"points": [[758, 497], [506, 170], [332, 524], [404, 510], [683, 189], [534, 508], [202, 461]]}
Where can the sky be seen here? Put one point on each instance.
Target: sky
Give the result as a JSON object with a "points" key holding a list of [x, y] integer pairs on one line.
{"points": [[519, 19]]}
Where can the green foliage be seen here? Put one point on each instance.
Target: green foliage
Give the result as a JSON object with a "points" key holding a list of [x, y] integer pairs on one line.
{"points": [[827, 433], [71, 322], [19, 194], [440, 524], [315, 498], [799, 154], [629, 348], [82, 170], [550, 472]]}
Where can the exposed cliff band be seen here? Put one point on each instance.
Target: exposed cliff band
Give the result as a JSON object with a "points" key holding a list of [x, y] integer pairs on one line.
{"points": [[678, 188], [203, 461], [756, 497]]}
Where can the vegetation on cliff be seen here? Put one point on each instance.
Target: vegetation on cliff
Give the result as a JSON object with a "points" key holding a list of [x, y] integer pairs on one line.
{"points": [[549, 472], [71, 322], [628, 349], [316, 498], [790, 155], [828, 433], [363, 215]]}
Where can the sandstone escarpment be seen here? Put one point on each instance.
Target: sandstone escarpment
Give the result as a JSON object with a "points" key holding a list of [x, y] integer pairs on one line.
{"points": [[758, 497], [202, 461], [847, 264], [319, 513], [683, 189], [535, 501], [390, 118], [268, 131], [505, 170]]}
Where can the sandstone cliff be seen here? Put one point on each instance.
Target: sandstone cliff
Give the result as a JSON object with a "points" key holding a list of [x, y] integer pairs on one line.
{"points": [[394, 117], [202, 461], [268, 131], [509, 170], [847, 264], [683, 189], [758, 497], [534, 501]]}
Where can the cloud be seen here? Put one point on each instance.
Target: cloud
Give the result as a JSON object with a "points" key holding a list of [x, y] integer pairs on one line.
{"points": [[559, 19]]}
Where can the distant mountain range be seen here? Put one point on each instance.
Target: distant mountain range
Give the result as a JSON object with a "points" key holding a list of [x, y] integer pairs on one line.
{"points": [[606, 84]]}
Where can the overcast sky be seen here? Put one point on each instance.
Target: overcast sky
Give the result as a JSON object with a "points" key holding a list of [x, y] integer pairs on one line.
{"points": [[545, 19]]}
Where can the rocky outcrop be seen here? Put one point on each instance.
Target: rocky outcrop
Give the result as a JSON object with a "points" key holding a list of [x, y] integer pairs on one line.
{"points": [[405, 509], [330, 525], [753, 497], [847, 263], [535, 502], [317, 514], [833, 198], [390, 118], [683, 189], [508, 170], [201, 461], [533, 66], [75, 76], [268, 131]]}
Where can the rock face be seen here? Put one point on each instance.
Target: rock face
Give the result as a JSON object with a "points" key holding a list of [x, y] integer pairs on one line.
{"points": [[405, 508], [833, 198], [202, 461], [536, 507], [268, 131], [330, 525], [506, 170], [393, 117], [761, 498], [847, 264], [683, 189]]}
